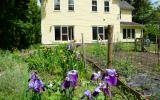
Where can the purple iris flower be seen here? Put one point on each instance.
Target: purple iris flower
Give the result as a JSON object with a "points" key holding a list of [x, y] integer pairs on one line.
{"points": [[73, 77], [35, 83], [66, 83], [87, 94], [97, 90], [96, 76], [38, 86], [111, 77], [105, 90], [71, 80], [33, 76]]}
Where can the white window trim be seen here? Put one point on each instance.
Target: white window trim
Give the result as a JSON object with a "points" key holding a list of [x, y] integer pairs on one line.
{"points": [[71, 5], [94, 5], [64, 34], [131, 34], [54, 6], [98, 32], [107, 6]]}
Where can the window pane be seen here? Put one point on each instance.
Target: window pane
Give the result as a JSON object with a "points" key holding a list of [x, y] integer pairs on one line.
{"points": [[106, 33], [64, 30], [56, 4], [64, 37], [94, 31], [106, 9], [124, 34], [100, 30], [128, 33], [133, 33], [106, 6], [71, 2], [71, 7], [94, 8], [71, 33], [106, 3], [94, 5], [94, 2], [57, 33]]}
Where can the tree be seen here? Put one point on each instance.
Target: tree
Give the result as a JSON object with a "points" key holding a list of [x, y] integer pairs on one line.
{"points": [[142, 11], [153, 26], [16, 25]]}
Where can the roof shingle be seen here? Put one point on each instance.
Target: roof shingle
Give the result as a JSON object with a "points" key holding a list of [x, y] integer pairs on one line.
{"points": [[125, 5], [131, 24]]}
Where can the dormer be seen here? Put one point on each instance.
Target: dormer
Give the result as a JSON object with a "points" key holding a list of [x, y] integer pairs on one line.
{"points": [[126, 11]]}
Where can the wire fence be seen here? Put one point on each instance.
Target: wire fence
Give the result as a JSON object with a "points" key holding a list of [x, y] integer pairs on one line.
{"points": [[137, 62]]}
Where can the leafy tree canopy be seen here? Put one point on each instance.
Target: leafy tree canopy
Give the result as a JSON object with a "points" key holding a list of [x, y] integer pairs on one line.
{"points": [[19, 23]]}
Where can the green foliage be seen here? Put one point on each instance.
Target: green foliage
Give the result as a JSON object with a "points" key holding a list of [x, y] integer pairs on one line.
{"points": [[125, 68], [54, 60], [13, 76], [120, 46], [20, 23], [142, 11]]}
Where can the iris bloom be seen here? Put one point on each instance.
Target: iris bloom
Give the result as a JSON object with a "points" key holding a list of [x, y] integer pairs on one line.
{"points": [[71, 80], [96, 76], [105, 90], [36, 84], [111, 77], [87, 94], [98, 90], [66, 84]]}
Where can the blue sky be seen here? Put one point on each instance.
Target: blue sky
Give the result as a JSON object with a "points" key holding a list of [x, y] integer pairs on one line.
{"points": [[156, 4], [153, 1]]}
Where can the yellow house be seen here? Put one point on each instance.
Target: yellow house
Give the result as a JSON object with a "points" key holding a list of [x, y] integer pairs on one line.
{"points": [[66, 20]]}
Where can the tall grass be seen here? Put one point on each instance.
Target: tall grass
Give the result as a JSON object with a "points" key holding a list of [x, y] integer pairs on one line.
{"points": [[13, 76]]}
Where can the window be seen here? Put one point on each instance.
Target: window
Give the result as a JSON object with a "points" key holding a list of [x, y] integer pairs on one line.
{"points": [[133, 33], [57, 33], [124, 34], [64, 33], [94, 5], [106, 6], [99, 32], [56, 4], [128, 33], [71, 5]]}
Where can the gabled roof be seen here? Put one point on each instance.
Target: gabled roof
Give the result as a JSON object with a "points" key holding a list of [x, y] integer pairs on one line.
{"points": [[131, 24], [125, 5]]}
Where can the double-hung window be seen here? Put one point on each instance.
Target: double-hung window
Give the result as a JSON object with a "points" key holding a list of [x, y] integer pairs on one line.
{"points": [[128, 33], [94, 5], [56, 4], [99, 33], [71, 5], [64, 33], [106, 6]]}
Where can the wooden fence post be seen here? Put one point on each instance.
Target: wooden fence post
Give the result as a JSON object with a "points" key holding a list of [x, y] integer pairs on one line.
{"points": [[110, 38], [84, 55]]}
